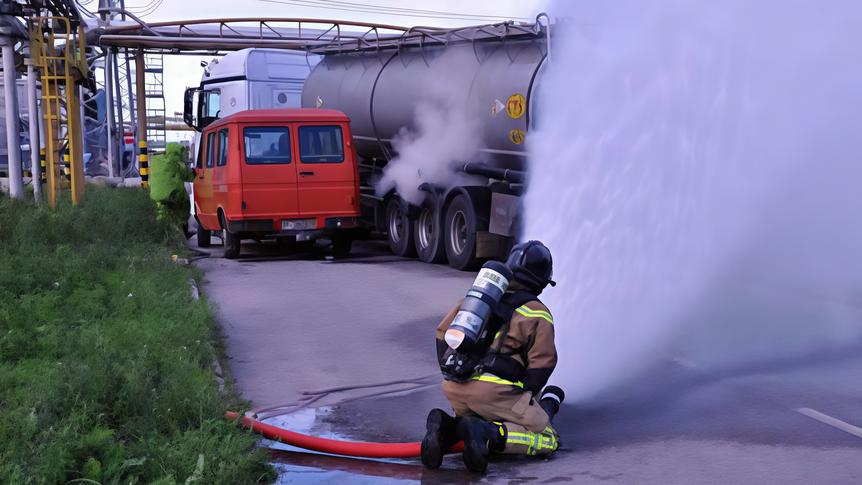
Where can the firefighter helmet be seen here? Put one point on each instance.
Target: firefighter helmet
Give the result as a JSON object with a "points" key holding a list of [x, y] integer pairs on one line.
{"points": [[532, 265]]}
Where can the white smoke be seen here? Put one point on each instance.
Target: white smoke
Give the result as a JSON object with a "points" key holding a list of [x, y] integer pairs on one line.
{"points": [[696, 173], [444, 132]]}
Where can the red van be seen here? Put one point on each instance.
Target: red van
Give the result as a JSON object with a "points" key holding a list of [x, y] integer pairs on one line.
{"points": [[277, 173]]}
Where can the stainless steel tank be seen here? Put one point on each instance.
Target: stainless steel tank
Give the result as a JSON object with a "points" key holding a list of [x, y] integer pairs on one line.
{"points": [[381, 91]]}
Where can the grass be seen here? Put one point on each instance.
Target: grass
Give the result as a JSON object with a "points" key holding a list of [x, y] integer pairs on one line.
{"points": [[104, 356]]}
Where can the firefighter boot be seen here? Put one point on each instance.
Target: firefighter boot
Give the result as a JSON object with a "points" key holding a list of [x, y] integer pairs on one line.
{"points": [[480, 437], [440, 436], [550, 400]]}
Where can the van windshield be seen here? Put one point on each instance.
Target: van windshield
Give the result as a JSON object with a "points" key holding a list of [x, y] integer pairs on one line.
{"points": [[267, 145], [320, 144]]}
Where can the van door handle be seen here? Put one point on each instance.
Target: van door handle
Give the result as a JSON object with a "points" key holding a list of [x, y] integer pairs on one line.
{"points": [[305, 174]]}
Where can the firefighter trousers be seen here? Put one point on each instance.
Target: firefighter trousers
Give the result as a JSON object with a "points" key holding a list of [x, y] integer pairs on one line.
{"points": [[527, 427]]}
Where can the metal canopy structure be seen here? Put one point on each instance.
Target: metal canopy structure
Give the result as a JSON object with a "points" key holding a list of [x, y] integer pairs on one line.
{"points": [[318, 36]]}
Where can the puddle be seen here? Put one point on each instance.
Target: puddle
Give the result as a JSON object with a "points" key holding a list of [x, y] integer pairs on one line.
{"points": [[297, 465]]}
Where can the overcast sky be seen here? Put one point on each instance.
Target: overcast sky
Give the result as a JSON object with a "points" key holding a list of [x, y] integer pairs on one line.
{"points": [[183, 71]]}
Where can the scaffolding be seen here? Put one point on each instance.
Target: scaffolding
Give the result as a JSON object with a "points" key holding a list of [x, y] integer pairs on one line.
{"points": [[154, 91], [59, 55]]}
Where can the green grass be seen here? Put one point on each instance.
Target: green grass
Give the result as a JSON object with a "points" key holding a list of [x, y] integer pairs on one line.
{"points": [[104, 356]]}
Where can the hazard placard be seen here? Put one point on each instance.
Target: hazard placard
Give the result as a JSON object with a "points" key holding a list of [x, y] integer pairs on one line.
{"points": [[497, 107], [517, 136], [516, 106]]}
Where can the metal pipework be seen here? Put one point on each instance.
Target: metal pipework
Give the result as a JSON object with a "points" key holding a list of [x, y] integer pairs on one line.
{"points": [[485, 170], [33, 110], [13, 128]]}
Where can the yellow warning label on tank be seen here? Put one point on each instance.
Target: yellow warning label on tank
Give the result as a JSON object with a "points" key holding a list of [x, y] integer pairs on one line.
{"points": [[517, 136], [516, 106]]}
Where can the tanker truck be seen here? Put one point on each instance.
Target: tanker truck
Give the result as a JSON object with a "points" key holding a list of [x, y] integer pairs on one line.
{"points": [[489, 76]]}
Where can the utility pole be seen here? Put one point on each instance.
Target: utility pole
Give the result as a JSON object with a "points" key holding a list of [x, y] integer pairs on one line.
{"points": [[13, 128]]}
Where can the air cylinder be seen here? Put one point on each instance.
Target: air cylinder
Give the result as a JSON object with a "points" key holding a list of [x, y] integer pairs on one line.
{"points": [[466, 328]]}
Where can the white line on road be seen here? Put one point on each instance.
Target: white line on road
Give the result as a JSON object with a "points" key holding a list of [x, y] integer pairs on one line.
{"points": [[829, 420]]}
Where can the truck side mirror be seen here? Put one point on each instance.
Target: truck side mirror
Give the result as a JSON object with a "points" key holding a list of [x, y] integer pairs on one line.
{"points": [[189, 110]]}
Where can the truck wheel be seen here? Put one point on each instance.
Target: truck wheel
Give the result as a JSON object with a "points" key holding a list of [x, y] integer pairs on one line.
{"points": [[399, 228], [459, 230], [204, 236], [231, 241], [428, 233], [341, 245]]}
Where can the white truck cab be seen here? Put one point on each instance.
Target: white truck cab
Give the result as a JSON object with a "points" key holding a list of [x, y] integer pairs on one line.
{"points": [[247, 79]]}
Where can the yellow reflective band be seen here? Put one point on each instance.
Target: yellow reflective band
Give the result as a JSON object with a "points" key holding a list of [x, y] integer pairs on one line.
{"points": [[496, 380], [143, 171], [142, 144], [530, 313]]}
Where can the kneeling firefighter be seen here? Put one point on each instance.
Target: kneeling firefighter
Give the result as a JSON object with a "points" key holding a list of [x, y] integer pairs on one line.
{"points": [[496, 351]]}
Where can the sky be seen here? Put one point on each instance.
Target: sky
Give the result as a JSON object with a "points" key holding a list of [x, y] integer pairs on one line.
{"points": [[184, 71]]}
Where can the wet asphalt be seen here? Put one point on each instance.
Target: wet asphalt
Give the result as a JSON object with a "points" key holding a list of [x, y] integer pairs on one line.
{"points": [[298, 323]]}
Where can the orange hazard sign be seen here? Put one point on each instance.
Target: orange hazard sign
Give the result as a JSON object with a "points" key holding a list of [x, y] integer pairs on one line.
{"points": [[516, 106], [517, 136]]}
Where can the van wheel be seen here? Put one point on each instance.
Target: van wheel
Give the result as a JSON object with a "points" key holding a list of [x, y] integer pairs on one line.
{"points": [[231, 241], [204, 236], [341, 245], [428, 232], [399, 228], [459, 230]]}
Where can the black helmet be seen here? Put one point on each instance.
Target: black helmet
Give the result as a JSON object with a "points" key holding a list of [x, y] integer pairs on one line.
{"points": [[532, 265]]}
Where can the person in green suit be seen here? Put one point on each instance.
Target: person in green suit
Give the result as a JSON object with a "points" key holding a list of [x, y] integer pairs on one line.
{"points": [[168, 173]]}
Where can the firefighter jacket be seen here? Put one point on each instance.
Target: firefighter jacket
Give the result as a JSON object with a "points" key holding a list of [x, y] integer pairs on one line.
{"points": [[528, 341]]}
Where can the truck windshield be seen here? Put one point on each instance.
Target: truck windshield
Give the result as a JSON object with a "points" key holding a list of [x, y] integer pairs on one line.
{"points": [[320, 144], [267, 145]]}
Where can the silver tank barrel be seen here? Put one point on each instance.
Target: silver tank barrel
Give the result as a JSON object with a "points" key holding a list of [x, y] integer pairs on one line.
{"points": [[384, 91]]}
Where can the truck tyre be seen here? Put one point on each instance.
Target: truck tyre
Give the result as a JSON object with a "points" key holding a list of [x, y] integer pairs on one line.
{"points": [[231, 240], [459, 234], [399, 228], [428, 234], [204, 236]]}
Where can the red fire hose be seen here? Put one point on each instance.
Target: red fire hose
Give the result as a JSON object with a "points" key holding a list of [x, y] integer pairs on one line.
{"points": [[335, 447]]}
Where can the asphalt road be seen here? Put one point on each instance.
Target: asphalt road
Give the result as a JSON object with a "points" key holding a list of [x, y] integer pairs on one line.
{"points": [[296, 322]]}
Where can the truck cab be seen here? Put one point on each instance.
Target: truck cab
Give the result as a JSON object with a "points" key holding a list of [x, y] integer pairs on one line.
{"points": [[288, 173]]}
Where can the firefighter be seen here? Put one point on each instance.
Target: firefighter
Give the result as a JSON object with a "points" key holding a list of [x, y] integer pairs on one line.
{"points": [[169, 173], [499, 408]]}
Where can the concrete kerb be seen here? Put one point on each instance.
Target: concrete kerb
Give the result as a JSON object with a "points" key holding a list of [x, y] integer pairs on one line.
{"points": [[216, 366]]}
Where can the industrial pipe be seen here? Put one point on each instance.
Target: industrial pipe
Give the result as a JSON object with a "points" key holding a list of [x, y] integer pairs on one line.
{"points": [[485, 170], [13, 128], [335, 447], [33, 115]]}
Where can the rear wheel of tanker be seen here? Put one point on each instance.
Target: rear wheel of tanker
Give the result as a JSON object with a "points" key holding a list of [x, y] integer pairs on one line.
{"points": [[399, 228], [459, 234], [204, 236], [428, 235], [231, 241]]}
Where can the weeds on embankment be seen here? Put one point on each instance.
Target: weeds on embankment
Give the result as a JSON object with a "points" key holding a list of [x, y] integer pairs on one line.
{"points": [[104, 356]]}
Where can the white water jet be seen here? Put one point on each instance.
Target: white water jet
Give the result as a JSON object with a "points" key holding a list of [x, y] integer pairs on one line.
{"points": [[697, 172]]}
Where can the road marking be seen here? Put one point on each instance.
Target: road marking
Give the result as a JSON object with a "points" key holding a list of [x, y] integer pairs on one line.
{"points": [[830, 421]]}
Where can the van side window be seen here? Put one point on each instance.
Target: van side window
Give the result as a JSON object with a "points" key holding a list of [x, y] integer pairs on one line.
{"points": [[266, 145], [320, 144], [210, 149], [222, 147]]}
